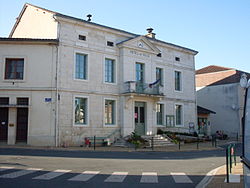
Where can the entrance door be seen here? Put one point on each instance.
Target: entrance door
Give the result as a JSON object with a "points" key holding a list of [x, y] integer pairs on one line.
{"points": [[140, 118], [4, 116], [22, 124]]}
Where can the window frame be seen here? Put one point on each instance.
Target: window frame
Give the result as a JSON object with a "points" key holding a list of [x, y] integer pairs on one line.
{"points": [[181, 78], [115, 112], [87, 66], [114, 71], [24, 68], [87, 109], [142, 70], [182, 115], [163, 110]]}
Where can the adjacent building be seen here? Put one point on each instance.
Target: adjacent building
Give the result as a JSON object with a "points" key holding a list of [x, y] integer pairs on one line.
{"points": [[218, 89], [77, 79]]}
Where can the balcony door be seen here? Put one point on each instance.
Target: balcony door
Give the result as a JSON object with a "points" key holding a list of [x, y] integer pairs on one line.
{"points": [[139, 72], [140, 111]]}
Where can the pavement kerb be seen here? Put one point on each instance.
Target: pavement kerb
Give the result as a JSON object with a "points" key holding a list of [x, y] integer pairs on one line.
{"points": [[208, 178]]}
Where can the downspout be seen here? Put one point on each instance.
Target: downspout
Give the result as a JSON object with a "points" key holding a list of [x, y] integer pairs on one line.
{"points": [[57, 141]]}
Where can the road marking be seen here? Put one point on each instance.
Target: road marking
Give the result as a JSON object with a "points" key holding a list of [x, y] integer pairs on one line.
{"points": [[51, 175], [149, 177], [180, 177], [20, 173], [84, 176], [3, 168], [233, 178], [208, 178], [117, 177]]}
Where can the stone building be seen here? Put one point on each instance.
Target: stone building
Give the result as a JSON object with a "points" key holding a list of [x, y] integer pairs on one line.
{"points": [[82, 79]]}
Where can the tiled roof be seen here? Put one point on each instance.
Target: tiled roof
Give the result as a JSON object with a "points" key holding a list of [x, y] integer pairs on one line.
{"points": [[211, 69], [28, 39]]}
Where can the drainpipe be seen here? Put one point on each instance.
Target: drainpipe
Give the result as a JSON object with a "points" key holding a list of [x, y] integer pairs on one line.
{"points": [[57, 141]]}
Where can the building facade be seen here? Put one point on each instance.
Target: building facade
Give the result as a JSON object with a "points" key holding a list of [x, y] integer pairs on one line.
{"points": [[218, 89], [107, 82]]}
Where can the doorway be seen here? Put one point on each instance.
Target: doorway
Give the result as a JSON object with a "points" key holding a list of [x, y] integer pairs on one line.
{"points": [[4, 116], [140, 108], [22, 125]]}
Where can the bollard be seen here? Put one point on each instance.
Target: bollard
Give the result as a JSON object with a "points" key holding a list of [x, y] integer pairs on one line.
{"points": [[179, 145], [215, 142], [152, 143], [237, 137], [230, 159], [197, 143], [227, 165], [94, 142]]}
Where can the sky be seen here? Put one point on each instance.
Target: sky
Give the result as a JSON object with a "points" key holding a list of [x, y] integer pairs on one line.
{"points": [[218, 29]]}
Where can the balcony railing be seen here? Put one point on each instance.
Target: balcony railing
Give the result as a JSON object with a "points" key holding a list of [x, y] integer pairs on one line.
{"points": [[143, 88]]}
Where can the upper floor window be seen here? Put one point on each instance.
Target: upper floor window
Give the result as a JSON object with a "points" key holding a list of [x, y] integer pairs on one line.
{"points": [[82, 37], [109, 70], [14, 68], [81, 66], [159, 75], [139, 72], [177, 59], [178, 80], [109, 43], [178, 114], [109, 112], [80, 111], [159, 114]]}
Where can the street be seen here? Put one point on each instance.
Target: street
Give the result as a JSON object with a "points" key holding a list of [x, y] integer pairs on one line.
{"points": [[56, 168]]}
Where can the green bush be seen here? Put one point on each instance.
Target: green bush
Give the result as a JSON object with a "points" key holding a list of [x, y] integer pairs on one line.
{"points": [[137, 140]]}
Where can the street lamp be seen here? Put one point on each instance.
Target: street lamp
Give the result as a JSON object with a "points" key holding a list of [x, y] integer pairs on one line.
{"points": [[244, 83]]}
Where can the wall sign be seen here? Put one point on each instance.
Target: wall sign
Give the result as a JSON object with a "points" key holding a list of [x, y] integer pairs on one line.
{"points": [[48, 99]]}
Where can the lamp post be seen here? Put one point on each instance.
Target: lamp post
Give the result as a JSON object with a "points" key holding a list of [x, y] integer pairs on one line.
{"points": [[244, 83]]}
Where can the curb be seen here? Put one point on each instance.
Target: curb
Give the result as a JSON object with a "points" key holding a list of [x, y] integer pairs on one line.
{"points": [[208, 178]]}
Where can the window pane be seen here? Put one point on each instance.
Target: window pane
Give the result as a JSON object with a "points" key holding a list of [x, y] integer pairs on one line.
{"points": [[14, 68], [159, 75], [80, 110], [177, 81], [81, 66], [109, 70], [159, 114], [142, 115], [178, 114], [109, 112], [139, 72]]}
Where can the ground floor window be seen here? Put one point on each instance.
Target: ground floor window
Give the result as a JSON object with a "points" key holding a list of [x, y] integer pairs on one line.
{"points": [[170, 120], [159, 114], [80, 111], [109, 112], [178, 114]]}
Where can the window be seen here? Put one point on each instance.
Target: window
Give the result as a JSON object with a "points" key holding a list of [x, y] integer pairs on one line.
{"points": [[109, 112], [109, 70], [4, 100], [80, 111], [140, 72], [81, 66], [178, 114], [177, 81], [159, 113], [22, 101], [109, 43], [159, 75], [82, 37], [14, 68], [177, 59], [159, 55]]}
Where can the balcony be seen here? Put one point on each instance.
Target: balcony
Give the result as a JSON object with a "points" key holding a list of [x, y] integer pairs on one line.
{"points": [[143, 88]]}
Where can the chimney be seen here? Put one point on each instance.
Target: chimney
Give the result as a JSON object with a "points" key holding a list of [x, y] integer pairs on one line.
{"points": [[150, 33], [89, 17]]}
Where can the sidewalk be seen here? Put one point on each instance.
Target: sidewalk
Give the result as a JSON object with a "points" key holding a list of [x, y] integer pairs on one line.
{"points": [[219, 178]]}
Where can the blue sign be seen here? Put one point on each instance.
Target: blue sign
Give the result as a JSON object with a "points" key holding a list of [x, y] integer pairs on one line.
{"points": [[48, 99]]}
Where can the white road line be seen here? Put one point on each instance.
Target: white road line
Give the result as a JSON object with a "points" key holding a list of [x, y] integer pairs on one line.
{"points": [[85, 176], [3, 168], [117, 177], [180, 177], [20, 173], [51, 175], [149, 177], [233, 178]]}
